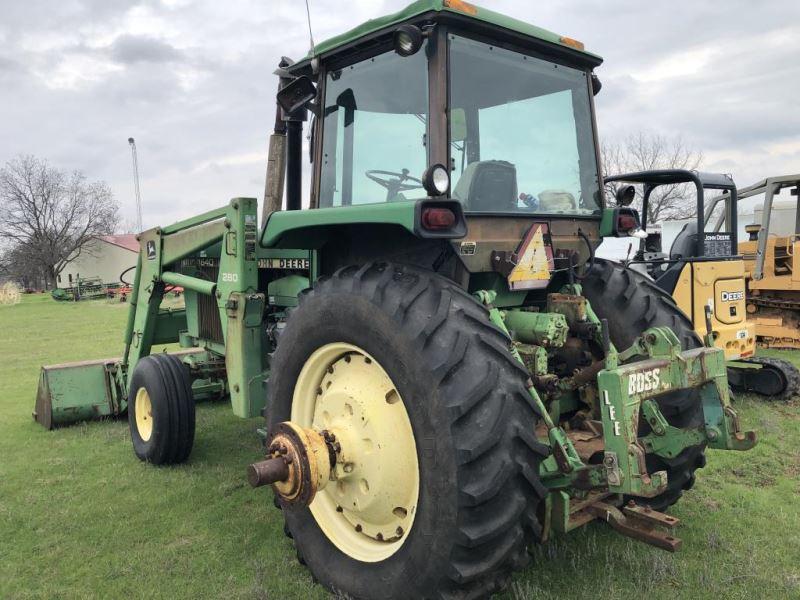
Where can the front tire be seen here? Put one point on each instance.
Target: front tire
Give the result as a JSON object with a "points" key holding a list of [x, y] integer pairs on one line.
{"points": [[471, 420], [161, 414]]}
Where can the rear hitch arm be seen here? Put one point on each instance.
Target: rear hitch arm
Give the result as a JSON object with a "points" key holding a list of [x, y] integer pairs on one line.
{"points": [[639, 523], [563, 451]]}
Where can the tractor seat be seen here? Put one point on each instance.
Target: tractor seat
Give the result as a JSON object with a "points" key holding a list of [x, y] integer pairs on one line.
{"points": [[684, 246], [488, 186]]}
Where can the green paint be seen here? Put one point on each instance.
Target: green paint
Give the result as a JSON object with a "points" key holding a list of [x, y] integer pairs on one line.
{"points": [[76, 392], [541, 329], [241, 309], [607, 223], [201, 286], [423, 7], [495, 282], [318, 221], [169, 324], [567, 456], [284, 291], [624, 389]]}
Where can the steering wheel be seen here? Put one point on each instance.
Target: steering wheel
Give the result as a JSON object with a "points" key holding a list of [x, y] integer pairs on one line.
{"points": [[396, 185]]}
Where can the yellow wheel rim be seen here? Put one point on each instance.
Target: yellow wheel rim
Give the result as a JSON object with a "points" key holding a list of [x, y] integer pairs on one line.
{"points": [[368, 509], [144, 414]]}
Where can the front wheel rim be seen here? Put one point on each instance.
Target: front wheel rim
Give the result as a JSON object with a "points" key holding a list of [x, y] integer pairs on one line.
{"points": [[368, 510], [143, 408]]}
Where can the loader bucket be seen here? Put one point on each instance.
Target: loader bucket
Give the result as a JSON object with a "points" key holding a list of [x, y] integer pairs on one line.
{"points": [[78, 391]]}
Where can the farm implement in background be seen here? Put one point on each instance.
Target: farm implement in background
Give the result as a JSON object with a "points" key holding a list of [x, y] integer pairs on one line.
{"points": [[89, 288]]}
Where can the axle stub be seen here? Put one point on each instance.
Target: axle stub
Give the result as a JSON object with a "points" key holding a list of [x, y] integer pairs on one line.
{"points": [[269, 471], [298, 463]]}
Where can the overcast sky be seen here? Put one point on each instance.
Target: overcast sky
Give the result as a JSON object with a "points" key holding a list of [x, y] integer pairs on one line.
{"points": [[192, 81]]}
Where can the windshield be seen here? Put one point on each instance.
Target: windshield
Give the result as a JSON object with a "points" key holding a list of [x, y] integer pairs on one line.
{"points": [[521, 133], [373, 141]]}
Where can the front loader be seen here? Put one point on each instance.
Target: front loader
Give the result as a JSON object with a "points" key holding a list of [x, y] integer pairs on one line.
{"points": [[447, 373]]}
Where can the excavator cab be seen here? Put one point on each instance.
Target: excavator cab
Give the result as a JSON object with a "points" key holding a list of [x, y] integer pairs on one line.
{"points": [[705, 275], [772, 262]]}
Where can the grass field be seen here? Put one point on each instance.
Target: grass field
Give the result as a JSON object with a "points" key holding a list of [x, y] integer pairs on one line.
{"points": [[80, 517]]}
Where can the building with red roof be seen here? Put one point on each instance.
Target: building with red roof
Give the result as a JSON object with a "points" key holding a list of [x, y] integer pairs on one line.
{"points": [[106, 257]]}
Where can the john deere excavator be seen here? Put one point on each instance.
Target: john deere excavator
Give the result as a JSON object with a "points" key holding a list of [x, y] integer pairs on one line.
{"points": [[705, 275], [447, 373]]}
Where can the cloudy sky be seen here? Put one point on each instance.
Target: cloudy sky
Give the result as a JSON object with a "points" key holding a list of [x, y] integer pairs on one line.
{"points": [[192, 81]]}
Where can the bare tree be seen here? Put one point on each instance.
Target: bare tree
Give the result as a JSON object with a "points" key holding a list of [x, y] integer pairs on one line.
{"points": [[50, 215], [648, 151], [16, 265]]}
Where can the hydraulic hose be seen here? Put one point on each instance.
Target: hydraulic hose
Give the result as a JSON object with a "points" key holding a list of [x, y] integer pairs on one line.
{"points": [[590, 262], [122, 275]]}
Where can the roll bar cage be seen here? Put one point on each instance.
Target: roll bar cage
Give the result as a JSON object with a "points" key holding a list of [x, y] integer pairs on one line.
{"points": [[769, 187], [701, 180]]}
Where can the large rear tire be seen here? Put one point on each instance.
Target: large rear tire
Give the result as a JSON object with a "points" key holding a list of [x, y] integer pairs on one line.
{"points": [[472, 424], [632, 303]]}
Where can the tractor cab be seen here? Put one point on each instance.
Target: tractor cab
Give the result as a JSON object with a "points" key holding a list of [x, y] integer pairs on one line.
{"points": [[482, 123]]}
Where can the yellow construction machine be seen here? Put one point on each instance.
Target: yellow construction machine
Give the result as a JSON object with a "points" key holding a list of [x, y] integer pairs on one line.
{"points": [[772, 262], [706, 276]]}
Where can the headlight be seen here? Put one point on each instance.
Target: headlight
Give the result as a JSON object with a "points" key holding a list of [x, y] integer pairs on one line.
{"points": [[436, 180], [407, 40]]}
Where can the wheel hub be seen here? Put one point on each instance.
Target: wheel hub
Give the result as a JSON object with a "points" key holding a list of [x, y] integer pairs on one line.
{"points": [[348, 453], [360, 406], [144, 414]]}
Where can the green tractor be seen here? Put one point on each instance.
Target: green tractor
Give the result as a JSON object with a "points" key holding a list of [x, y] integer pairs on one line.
{"points": [[448, 374]]}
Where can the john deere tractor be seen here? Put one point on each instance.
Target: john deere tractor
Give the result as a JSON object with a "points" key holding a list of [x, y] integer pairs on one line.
{"points": [[447, 373]]}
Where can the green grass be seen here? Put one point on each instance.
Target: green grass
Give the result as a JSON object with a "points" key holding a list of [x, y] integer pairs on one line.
{"points": [[80, 517]]}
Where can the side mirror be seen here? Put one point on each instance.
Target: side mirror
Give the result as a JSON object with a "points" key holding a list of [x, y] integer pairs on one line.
{"points": [[296, 95], [625, 195], [621, 222], [458, 125]]}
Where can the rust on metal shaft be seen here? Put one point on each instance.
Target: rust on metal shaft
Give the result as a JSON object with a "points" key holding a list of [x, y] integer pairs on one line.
{"points": [[268, 471]]}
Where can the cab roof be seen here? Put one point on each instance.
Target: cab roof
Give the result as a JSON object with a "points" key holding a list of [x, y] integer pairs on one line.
{"points": [[459, 8]]}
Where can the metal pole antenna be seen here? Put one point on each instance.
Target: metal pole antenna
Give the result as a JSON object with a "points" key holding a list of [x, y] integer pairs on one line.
{"points": [[132, 143]]}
